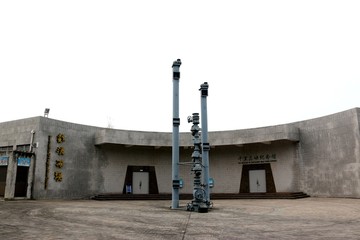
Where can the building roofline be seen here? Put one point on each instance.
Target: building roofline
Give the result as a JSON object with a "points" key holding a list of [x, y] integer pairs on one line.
{"points": [[285, 132]]}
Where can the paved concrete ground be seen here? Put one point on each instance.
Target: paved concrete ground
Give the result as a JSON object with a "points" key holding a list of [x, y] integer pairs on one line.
{"points": [[310, 218]]}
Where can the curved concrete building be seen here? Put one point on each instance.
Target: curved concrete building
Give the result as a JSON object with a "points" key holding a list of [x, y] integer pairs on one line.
{"points": [[43, 158]]}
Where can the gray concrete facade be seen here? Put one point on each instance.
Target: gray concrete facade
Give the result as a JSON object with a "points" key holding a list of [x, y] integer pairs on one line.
{"points": [[320, 157], [329, 153]]}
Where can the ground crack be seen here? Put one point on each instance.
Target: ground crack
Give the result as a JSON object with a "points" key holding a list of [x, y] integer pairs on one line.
{"points": [[186, 226]]}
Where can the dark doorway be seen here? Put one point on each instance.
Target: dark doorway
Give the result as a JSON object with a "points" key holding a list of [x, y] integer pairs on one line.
{"points": [[152, 181], [21, 181], [3, 171], [245, 177]]}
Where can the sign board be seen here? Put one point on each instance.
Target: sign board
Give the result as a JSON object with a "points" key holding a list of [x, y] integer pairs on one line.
{"points": [[257, 158], [23, 161], [4, 160]]}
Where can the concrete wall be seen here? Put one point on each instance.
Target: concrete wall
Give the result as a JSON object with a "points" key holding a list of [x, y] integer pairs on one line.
{"points": [[118, 158], [81, 160], [17, 132], [226, 169], [219, 138], [224, 166], [319, 156], [16, 135], [80, 176], [329, 155]]}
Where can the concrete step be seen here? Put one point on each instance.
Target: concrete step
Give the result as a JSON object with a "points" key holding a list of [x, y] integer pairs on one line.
{"points": [[213, 196]]}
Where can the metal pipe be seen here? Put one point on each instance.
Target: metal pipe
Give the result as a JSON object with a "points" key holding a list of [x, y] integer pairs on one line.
{"points": [[204, 139], [30, 187], [199, 202], [175, 136], [31, 140]]}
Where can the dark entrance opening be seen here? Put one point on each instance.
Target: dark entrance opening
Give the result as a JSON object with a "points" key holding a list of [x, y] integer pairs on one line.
{"points": [[245, 177], [21, 181], [3, 171], [152, 188]]}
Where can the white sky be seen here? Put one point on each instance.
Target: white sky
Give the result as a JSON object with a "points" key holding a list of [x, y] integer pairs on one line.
{"points": [[109, 62]]}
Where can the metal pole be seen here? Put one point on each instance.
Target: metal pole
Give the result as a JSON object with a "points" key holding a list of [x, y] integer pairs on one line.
{"points": [[175, 136], [32, 140], [204, 138]]}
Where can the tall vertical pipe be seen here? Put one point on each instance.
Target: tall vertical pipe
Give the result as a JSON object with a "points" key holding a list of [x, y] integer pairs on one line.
{"points": [[204, 138], [32, 140], [175, 136]]}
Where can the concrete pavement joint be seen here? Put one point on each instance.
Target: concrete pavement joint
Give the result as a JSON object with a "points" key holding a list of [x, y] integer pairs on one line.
{"points": [[186, 226]]}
